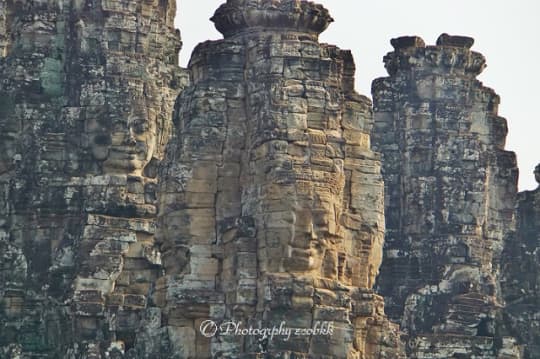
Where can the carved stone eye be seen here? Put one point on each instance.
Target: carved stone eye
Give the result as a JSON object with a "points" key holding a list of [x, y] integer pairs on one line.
{"points": [[103, 140], [119, 127], [140, 127]]}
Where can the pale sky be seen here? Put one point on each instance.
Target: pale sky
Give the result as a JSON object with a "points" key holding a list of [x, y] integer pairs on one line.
{"points": [[506, 32]]}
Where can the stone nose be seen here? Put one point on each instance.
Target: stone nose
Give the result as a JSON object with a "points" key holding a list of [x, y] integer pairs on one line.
{"points": [[129, 138]]}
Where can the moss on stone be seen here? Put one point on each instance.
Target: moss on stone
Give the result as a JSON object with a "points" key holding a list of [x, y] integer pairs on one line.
{"points": [[52, 77], [6, 105]]}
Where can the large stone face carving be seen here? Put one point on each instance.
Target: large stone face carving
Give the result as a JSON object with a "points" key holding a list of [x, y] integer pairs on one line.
{"points": [[271, 204], [450, 190], [87, 96], [133, 145]]}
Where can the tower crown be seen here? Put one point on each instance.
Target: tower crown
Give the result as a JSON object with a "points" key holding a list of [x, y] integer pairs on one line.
{"points": [[237, 16], [451, 54]]}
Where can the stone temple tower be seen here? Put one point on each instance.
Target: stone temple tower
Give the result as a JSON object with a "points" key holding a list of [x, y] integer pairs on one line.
{"points": [[86, 99], [450, 189], [271, 200]]}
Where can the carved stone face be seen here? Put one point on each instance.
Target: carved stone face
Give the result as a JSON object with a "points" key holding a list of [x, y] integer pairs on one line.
{"points": [[10, 132], [7, 151], [36, 34], [129, 147]]}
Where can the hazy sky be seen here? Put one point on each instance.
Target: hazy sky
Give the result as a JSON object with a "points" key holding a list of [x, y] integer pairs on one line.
{"points": [[506, 32]]}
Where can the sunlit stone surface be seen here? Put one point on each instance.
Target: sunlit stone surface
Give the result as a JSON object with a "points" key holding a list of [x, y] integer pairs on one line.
{"points": [[271, 202]]}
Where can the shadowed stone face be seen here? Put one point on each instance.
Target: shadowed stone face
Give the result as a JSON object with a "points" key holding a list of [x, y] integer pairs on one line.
{"points": [[32, 82], [129, 147], [8, 141]]}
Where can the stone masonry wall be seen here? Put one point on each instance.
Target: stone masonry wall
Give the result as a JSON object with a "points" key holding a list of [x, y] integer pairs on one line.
{"points": [[450, 192]]}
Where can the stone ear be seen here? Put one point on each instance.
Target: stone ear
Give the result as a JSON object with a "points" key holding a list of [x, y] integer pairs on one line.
{"points": [[151, 169]]}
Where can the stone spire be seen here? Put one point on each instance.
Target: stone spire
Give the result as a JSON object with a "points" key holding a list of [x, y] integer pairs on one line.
{"points": [[271, 203], [450, 190]]}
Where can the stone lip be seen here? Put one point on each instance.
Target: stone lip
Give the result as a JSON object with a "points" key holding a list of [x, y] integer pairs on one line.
{"points": [[237, 16]]}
